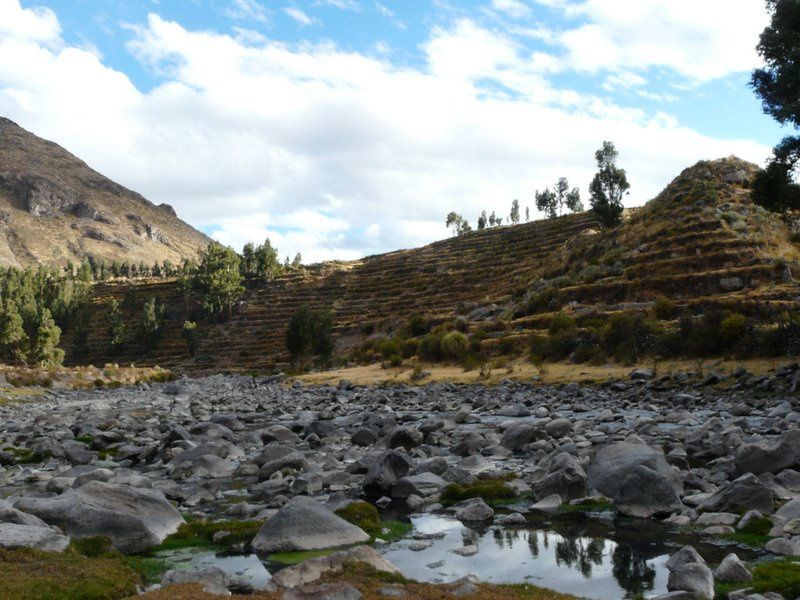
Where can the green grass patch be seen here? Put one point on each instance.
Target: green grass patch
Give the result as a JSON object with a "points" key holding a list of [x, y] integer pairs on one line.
{"points": [[493, 491], [780, 576], [755, 533], [86, 439], [36, 575], [366, 516], [294, 558], [25, 456], [589, 505], [150, 568], [200, 534]]}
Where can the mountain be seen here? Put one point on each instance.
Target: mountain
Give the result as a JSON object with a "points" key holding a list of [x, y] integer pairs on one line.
{"points": [[54, 208]]}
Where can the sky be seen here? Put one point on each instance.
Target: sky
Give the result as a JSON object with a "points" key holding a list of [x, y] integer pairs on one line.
{"points": [[343, 128]]}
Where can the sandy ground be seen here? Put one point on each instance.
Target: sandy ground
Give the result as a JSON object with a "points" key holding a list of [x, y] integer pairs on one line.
{"points": [[525, 371]]}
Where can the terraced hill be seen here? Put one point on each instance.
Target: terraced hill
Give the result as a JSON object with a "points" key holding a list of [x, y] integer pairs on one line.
{"points": [[701, 243]]}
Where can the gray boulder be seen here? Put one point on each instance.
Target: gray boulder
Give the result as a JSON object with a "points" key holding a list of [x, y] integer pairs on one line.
{"points": [[519, 435], [323, 591], [769, 456], [612, 464], [565, 477], [312, 569], [385, 472], [695, 578], [742, 494], [783, 547], [732, 570], [646, 493], [305, 524], [473, 510], [423, 485], [684, 556], [134, 518], [45, 538], [213, 579]]}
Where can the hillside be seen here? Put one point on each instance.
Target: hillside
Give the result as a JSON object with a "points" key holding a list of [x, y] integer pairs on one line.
{"points": [[701, 243], [55, 208]]}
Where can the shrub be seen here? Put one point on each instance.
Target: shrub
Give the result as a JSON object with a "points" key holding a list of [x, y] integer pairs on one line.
{"points": [[420, 325], [430, 347], [627, 336], [409, 348], [454, 345], [732, 330], [663, 308], [561, 322], [388, 348]]}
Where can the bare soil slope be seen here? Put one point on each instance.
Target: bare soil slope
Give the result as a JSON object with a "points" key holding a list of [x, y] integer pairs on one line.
{"points": [[55, 208]]}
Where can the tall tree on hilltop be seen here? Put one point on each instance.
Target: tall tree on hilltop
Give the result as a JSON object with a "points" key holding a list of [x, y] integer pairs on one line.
{"points": [[514, 212], [778, 86], [483, 221], [459, 224], [567, 198], [608, 187], [547, 202]]}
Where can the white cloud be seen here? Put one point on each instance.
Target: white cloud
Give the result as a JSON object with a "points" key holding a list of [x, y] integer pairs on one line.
{"points": [[699, 40], [298, 15], [331, 153], [625, 80], [513, 8], [341, 4], [247, 10]]}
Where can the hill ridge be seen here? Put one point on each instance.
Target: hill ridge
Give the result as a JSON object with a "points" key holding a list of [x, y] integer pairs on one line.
{"points": [[55, 208]]}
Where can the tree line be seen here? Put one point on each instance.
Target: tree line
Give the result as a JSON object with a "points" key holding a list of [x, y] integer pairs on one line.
{"points": [[606, 191]]}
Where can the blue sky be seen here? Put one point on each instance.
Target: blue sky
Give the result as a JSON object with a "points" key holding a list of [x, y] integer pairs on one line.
{"points": [[345, 127]]}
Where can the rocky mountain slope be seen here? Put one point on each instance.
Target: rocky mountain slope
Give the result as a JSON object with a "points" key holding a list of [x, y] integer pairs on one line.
{"points": [[701, 243], [55, 208]]}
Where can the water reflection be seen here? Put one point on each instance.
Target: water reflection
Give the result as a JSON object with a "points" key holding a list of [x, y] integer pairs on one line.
{"points": [[567, 560]]}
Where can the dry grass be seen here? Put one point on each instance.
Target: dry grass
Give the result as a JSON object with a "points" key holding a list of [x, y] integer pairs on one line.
{"points": [[520, 370], [29, 381]]}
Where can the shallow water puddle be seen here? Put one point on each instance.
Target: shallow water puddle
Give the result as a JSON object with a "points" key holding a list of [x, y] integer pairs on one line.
{"points": [[245, 568], [589, 567]]}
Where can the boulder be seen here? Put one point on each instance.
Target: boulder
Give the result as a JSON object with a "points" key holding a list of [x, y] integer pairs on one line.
{"points": [[312, 569], [385, 472], [558, 428], [645, 493], [769, 456], [473, 510], [519, 435], [612, 464], [404, 437], [565, 477], [134, 518], [783, 547], [695, 578], [324, 591], [423, 485], [685, 555], [742, 494], [214, 580], [45, 538], [732, 570], [305, 524]]}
